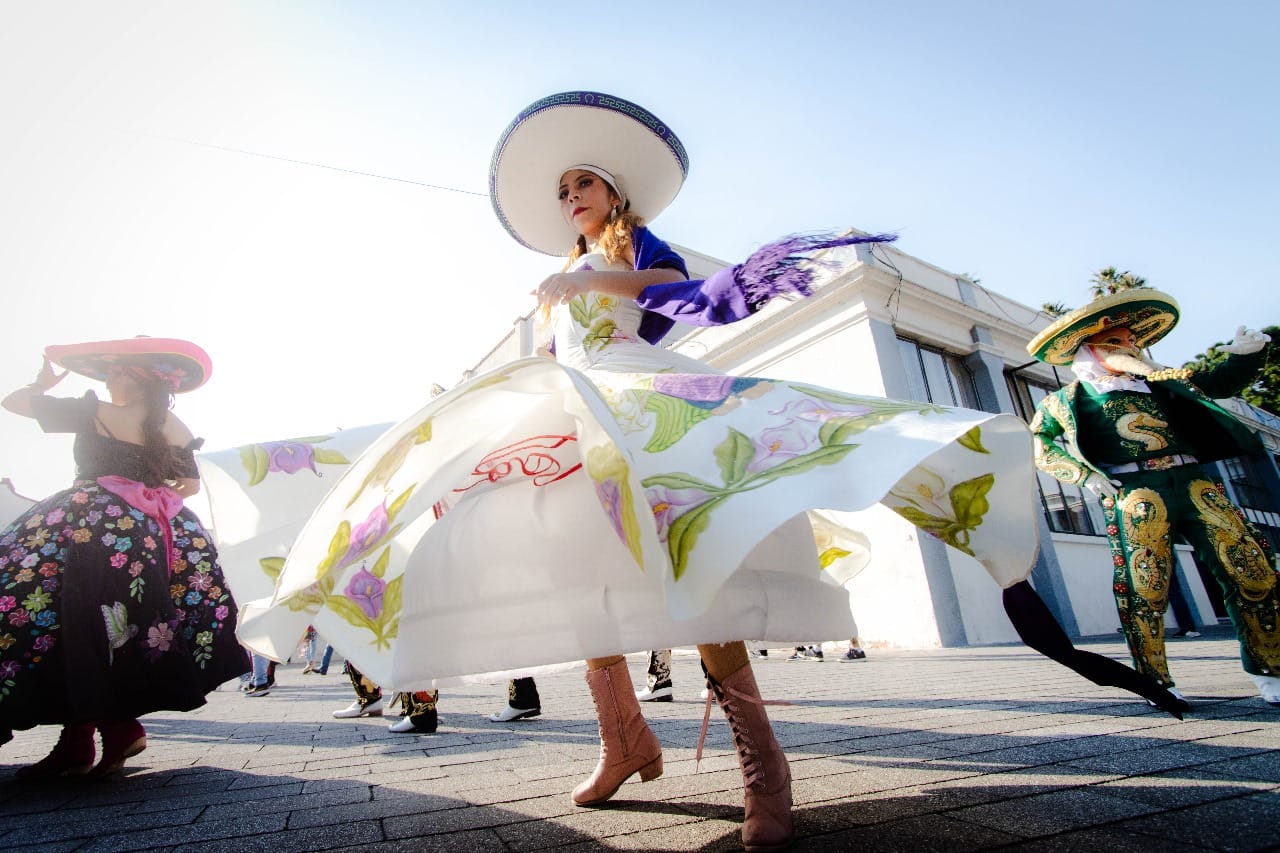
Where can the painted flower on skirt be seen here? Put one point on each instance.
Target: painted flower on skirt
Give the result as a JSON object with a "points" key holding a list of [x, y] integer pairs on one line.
{"points": [[949, 511], [19, 617], [610, 495], [821, 411], [7, 603], [694, 387], [43, 643], [9, 668], [367, 533], [669, 504], [777, 444], [290, 457], [366, 590]]}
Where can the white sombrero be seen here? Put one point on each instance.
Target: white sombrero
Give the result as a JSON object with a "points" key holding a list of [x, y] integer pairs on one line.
{"points": [[580, 129]]}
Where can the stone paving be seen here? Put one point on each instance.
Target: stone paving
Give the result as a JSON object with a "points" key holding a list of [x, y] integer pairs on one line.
{"points": [[957, 749]]}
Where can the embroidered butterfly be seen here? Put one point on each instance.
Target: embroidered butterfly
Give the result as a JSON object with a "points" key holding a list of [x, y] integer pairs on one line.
{"points": [[119, 631]]}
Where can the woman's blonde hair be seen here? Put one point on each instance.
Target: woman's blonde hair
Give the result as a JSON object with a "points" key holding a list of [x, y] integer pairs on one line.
{"points": [[614, 242]]}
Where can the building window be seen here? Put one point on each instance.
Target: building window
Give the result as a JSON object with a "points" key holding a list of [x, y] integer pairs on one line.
{"points": [[1246, 489], [1245, 484], [935, 376], [1067, 508]]}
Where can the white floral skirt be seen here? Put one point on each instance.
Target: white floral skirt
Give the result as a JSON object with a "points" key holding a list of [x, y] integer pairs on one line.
{"points": [[539, 514]]}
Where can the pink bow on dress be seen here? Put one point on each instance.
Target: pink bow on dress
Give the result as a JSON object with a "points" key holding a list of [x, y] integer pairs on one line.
{"points": [[161, 503]]}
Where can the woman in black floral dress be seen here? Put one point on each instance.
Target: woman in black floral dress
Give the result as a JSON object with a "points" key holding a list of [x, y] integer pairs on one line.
{"points": [[112, 604]]}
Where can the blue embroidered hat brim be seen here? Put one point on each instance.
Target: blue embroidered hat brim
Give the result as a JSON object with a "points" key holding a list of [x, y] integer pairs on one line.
{"points": [[571, 128]]}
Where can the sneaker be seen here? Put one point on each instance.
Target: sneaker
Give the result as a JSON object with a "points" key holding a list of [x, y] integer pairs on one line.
{"points": [[307, 668], [510, 714], [853, 654], [1186, 632], [660, 692], [798, 654], [257, 690], [355, 709], [762, 653], [814, 654]]}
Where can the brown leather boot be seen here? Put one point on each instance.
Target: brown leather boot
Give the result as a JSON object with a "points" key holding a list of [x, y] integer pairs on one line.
{"points": [[72, 755], [627, 745], [766, 775], [121, 739]]}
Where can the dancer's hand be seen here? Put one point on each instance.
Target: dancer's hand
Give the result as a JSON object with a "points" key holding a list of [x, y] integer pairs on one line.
{"points": [[1102, 487], [1247, 342], [558, 288], [46, 378]]}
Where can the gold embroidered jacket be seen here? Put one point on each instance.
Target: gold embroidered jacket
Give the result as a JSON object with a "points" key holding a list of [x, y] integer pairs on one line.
{"points": [[1212, 431]]}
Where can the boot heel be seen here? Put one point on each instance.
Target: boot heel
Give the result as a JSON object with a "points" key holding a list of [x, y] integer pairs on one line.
{"points": [[652, 770]]}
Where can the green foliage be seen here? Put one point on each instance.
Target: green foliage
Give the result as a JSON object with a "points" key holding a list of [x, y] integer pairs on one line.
{"points": [[1054, 310], [1109, 280], [1265, 391]]}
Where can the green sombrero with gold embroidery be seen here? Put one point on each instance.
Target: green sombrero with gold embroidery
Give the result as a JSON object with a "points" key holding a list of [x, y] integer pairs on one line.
{"points": [[1149, 314]]}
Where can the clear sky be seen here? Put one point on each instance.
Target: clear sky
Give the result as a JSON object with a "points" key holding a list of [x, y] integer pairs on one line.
{"points": [[1025, 143]]}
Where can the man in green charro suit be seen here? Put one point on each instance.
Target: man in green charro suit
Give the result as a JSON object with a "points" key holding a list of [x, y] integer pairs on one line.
{"points": [[1137, 435]]}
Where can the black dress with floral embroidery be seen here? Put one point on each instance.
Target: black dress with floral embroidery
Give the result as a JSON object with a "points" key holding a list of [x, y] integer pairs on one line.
{"points": [[95, 623]]}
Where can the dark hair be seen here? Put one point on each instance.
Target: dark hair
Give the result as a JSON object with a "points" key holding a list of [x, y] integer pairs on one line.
{"points": [[161, 457]]}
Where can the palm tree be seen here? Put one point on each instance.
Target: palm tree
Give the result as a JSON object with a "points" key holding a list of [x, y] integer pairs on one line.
{"points": [[1110, 280], [1053, 310]]}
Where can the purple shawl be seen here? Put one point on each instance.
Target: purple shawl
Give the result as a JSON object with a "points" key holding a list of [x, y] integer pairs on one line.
{"points": [[733, 293]]}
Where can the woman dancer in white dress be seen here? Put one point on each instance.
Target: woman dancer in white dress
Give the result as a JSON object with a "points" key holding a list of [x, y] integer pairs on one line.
{"points": [[622, 497]]}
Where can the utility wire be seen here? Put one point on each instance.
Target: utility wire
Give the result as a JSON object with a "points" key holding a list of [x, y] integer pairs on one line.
{"points": [[231, 150]]}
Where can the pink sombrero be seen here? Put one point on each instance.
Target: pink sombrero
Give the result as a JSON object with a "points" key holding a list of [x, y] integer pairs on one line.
{"points": [[182, 364]]}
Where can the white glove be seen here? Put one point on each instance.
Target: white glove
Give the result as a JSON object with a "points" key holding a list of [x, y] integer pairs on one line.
{"points": [[1247, 342], [1102, 487]]}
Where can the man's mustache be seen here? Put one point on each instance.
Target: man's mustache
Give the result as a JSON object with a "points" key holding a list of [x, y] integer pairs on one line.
{"points": [[1123, 360]]}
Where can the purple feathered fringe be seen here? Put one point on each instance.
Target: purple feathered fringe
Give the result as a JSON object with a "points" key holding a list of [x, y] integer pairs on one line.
{"points": [[775, 270]]}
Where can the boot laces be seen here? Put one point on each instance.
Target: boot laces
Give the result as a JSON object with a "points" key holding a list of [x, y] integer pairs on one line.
{"points": [[752, 767]]}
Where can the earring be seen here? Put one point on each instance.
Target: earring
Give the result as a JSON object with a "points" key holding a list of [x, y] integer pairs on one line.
{"points": [[613, 213]]}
